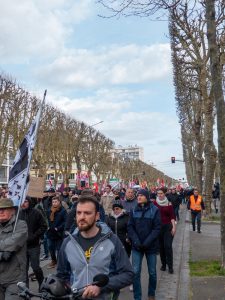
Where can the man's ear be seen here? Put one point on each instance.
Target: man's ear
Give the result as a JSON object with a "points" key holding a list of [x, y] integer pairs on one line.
{"points": [[97, 217]]}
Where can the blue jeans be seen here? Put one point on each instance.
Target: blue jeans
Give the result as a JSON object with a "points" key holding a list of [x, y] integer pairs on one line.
{"points": [[137, 258]]}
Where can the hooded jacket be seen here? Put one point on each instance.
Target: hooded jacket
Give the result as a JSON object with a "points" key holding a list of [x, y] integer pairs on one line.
{"points": [[108, 256], [144, 228], [14, 269], [36, 225]]}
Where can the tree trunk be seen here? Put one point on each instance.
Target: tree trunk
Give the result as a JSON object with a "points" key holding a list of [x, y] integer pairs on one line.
{"points": [[78, 163], [216, 73], [209, 147]]}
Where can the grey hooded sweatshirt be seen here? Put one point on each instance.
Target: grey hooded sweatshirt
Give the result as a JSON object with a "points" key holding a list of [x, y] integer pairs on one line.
{"points": [[108, 257]]}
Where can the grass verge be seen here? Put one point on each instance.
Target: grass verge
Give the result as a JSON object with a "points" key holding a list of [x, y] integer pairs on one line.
{"points": [[211, 218], [206, 268]]}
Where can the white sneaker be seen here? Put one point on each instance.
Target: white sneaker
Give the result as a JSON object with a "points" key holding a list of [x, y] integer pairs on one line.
{"points": [[131, 288], [176, 222]]}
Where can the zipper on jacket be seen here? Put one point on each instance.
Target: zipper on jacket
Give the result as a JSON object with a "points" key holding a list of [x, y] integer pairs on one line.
{"points": [[99, 241]]}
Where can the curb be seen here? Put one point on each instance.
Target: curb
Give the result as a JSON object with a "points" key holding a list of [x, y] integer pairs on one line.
{"points": [[184, 279]]}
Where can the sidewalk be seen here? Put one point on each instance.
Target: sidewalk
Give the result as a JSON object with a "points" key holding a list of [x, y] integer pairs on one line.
{"points": [[176, 286], [206, 246]]}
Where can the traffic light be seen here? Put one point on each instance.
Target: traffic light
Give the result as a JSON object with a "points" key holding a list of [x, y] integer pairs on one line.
{"points": [[173, 159], [143, 173]]}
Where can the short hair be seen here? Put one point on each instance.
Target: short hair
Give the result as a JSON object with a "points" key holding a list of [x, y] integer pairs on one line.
{"points": [[163, 189], [89, 198], [109, 186], [56, 198]]}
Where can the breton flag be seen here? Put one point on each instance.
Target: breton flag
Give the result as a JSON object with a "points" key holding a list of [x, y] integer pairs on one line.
{"points": [[19, 173]]}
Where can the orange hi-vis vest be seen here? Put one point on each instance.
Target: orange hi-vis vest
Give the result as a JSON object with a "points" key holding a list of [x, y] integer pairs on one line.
{"points": [[195, 205]]}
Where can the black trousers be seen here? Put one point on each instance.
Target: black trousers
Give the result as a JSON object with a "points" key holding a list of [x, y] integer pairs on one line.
{"points": [[33, 258], [165, 243]]}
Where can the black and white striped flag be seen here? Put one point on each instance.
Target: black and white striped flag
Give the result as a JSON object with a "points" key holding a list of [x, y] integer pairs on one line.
{"points": [[19, 173]]}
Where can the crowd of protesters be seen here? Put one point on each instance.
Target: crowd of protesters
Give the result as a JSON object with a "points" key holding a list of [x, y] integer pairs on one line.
{"points": [[144, 220]]}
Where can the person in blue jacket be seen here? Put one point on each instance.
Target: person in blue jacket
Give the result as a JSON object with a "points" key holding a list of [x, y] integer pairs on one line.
{"points": [[143, 231]]}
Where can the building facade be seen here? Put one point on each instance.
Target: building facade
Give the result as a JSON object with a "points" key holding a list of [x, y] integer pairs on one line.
{"points": [[130, 153]]}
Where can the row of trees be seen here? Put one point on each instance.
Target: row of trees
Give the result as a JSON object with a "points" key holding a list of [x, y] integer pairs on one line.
{"points": [[62, 140], [197, 36], [194, 95], [193, 81]]}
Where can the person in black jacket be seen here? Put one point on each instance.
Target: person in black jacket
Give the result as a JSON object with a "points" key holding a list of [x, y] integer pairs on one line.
{"points": [[71, 223], [36, 227], [175, 200], [216, 196], [118, 221], [56, 222]]}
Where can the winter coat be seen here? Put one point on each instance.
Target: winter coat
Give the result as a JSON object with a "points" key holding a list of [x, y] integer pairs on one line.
{"points": [[129, 205], [118, 225], [144, 228], [108, 257], [47, 203], [56, 227], [216, 193], [107, 202], [36, 225], [175, 199], [14, 269]]}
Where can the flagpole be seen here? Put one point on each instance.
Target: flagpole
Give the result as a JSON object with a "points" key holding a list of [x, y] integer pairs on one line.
{"points": [[31, 153]]}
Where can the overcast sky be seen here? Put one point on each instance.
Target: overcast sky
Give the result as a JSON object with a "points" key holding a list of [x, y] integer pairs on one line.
{"points": [[97, 69]]}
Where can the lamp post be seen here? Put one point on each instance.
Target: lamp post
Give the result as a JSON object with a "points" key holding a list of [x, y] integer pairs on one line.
{"points": [[96, 123]]}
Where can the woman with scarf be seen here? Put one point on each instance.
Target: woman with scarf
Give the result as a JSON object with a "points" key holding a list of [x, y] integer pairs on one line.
{"points": [[168, 230], [56, 220]]}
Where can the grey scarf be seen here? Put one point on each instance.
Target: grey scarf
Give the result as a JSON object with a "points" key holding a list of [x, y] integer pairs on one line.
{"points": [[163, 202]]}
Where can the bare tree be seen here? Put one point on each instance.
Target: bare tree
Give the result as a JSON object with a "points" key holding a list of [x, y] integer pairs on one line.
{"points": [[216, 72]]}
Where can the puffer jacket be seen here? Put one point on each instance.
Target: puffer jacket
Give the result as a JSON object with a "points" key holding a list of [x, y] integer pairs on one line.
{"points": [[144, 228], [108, 257], [119, 225], [14, 269]]}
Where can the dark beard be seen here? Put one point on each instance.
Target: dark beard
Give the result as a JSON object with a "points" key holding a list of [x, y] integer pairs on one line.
{"points": [[85, 227]]}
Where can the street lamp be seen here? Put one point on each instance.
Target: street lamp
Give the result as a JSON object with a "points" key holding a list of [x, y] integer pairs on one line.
{"points": [[96, 123]]}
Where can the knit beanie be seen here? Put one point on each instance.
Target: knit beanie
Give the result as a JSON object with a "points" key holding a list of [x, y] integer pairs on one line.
{"points": [[117, 203], [144, 193]]}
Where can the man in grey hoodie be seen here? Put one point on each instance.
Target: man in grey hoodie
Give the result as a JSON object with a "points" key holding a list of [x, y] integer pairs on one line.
{"points": [[93, 249]]}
